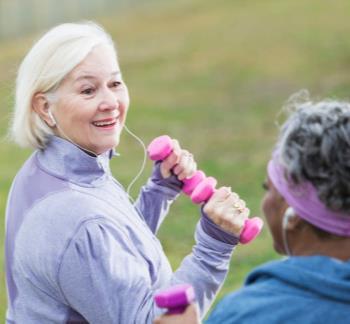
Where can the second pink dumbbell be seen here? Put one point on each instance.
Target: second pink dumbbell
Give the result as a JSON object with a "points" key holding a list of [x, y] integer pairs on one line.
{"points": [[175, 298], [199, 187]]}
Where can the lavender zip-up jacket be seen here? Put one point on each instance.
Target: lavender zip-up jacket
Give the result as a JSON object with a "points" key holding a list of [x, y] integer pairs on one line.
{"points": [[78, 251]]}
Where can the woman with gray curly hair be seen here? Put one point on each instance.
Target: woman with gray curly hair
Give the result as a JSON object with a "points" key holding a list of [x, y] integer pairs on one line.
{"points": [[307, 208]]}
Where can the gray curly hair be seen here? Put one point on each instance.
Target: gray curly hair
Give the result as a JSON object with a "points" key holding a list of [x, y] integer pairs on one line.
{"points": [[314, 146]]}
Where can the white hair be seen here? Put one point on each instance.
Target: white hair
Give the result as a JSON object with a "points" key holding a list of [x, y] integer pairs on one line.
{"points": [[48, 62]]}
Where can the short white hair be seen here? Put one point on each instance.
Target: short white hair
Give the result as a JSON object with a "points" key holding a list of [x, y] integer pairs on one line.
{"points": [[47, 63]]}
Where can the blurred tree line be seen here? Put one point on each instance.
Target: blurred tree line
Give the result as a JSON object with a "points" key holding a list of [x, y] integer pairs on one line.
{"points": [[19, 17]]}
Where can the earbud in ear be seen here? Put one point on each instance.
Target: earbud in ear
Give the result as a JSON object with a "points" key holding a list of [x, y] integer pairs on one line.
{"points": [[52, 118], [289, 213]]}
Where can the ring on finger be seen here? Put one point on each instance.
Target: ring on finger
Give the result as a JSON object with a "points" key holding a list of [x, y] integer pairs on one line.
{"points": [[239, 207], [236, 205]]}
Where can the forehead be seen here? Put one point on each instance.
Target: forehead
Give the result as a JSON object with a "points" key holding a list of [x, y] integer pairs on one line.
{"points": [[101, 62]]}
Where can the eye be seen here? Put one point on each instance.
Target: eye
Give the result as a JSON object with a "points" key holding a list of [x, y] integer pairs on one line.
{"points": [[116, 84], [88, 91], [265, 185]]}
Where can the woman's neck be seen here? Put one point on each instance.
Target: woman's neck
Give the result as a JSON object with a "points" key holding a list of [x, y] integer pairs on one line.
{"points": [[306, 243]]}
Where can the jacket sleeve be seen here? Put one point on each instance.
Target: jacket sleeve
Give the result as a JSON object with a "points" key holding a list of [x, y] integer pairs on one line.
{"points": [[206, 267], [156, 196], [103, 278]]}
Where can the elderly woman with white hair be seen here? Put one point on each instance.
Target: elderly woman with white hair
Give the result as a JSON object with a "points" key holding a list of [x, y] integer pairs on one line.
{"points": [[307, 208], [77, 250]]}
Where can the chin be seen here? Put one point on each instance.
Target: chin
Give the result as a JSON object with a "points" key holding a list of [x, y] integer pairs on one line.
{"points": [[103, 144], [278, 249], [103, 148]]}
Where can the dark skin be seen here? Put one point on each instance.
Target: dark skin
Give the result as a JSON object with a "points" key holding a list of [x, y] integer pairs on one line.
{"points": [[303, 238]]}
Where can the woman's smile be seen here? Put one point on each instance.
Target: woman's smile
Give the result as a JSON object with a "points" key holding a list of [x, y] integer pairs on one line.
{"points": [[107, 123]]}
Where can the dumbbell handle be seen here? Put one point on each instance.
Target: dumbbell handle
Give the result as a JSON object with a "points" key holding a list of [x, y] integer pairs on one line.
{"points": [[175, 298], [160, 148], [203, 192]]}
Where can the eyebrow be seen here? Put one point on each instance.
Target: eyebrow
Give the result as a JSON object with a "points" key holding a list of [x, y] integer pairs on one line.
{"points": [[88, 76]]}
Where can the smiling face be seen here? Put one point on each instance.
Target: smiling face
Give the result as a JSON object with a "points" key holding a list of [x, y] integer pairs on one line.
{"points": [[92, 102]]}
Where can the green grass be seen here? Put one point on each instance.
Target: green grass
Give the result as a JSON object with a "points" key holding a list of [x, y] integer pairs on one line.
{"points": [[214, 75]]}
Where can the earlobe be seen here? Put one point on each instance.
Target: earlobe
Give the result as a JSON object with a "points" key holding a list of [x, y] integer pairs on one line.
{"points": [[291, 221], [41, 106]]}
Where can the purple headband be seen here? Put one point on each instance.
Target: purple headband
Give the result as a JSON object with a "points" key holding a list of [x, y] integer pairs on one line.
{"points": [[304, 200]]}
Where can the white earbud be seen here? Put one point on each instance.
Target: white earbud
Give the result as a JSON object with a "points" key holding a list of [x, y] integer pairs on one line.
{"points": [[289, 213], [52, 117]]}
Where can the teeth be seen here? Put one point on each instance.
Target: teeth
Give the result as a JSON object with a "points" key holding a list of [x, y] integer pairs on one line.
{"points": [[104, 123]]}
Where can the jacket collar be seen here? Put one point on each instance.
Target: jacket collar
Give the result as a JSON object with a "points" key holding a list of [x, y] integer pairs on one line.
{"points": [[67, 161]]}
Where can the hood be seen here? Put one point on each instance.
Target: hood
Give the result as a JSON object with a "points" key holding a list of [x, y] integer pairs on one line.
{"points": [[319, 275]]}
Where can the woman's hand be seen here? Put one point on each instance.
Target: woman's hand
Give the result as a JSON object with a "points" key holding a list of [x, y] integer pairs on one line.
{"points": [[227, 210], [180, 162], [189, 316]]}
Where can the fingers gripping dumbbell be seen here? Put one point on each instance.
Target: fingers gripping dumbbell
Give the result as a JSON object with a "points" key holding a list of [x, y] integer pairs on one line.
{"points": [[199, 187], [160, 148], [202, 193]]}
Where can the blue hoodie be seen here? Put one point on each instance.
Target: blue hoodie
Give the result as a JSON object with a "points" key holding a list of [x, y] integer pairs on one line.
{"points": [[314, 289]]}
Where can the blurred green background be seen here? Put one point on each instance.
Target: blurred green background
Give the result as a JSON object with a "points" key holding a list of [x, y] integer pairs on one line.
{"points": [[213, 74]]}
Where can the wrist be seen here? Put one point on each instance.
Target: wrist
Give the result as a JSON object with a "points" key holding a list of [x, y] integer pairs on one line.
{"points": [[171, 182], [216, 232]]}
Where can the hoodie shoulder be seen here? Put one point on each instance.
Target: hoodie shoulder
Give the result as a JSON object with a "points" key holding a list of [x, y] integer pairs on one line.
{"points": [[299, 289], [316, 275]]}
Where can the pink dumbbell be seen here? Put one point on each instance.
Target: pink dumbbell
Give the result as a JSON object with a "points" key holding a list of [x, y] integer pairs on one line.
{"points": [[160, 148], [175, 298], [199, 187]]}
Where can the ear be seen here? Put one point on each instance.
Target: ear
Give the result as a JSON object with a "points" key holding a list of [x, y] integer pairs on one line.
{"points": [[295, 223], [41, 106]]}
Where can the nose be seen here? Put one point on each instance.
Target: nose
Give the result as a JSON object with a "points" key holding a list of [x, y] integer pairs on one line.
{"points": [[109, 100]]}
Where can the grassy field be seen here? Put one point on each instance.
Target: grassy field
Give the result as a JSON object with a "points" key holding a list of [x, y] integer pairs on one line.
{"points": [[214, 75]]}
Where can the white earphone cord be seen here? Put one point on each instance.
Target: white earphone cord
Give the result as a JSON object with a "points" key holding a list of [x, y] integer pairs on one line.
{"points": [[143, 165], [68, 138], [289, 212]]}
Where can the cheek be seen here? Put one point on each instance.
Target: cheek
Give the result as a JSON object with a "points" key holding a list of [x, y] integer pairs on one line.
{"points": [[267, 205], [272, 207], [126, 102], [270, 210], [82, 111], [68, 108]]}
